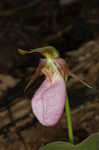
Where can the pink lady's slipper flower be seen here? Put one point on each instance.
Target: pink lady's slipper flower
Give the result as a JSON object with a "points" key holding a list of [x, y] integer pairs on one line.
{"points": [[49, 100]]}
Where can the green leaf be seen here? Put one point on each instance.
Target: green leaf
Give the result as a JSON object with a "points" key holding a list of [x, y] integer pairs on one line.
{"points": [[91, 143], [58, 146]]}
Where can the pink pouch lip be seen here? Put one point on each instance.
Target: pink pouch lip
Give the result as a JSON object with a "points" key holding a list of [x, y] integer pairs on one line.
{"points": [[48, 102]]}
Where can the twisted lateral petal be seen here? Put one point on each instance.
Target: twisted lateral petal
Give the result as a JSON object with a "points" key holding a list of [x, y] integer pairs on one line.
{"points": [[48, 102]]}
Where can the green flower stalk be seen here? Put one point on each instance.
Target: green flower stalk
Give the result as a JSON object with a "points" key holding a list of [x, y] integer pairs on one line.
{"points": [[69, 123]]}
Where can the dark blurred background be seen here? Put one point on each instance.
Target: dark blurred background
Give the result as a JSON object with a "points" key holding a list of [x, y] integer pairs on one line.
{"points": [[72, 26], [65, 24]]}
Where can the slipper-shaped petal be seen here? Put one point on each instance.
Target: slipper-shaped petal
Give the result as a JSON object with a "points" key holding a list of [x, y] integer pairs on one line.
{"points": [[49, 100]]}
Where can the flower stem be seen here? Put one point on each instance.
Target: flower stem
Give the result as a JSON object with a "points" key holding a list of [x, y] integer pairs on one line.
{"points": [[69, 123]]}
